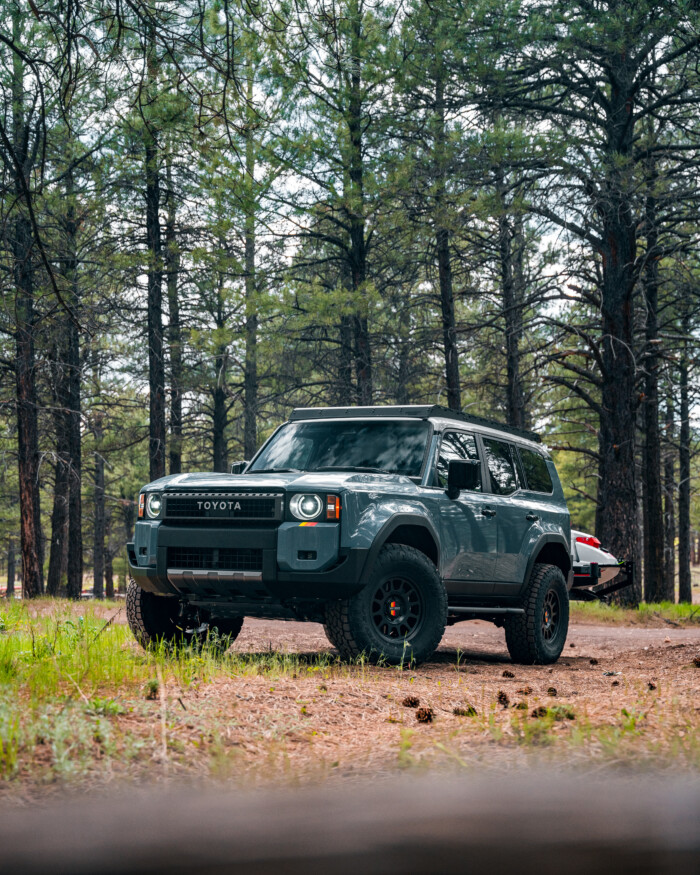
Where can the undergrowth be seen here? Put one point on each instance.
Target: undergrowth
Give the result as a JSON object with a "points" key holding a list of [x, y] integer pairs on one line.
{"points": [[647, 614]]}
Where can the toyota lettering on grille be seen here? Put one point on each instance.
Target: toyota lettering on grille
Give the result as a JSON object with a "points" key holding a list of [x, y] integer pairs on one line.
{"points": [[231, 505], [216, 505]]}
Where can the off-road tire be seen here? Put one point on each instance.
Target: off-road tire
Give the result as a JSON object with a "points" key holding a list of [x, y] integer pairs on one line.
{"points": [[353, 625], [155, 619], [526, 634], [152, 618]]}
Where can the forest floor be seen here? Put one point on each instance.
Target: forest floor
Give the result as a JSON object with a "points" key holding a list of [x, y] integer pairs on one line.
{"points": [[82, 707]]}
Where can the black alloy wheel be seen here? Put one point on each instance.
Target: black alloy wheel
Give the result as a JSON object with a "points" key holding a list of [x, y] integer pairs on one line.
{"points": [[550, 615], [397, 609]]}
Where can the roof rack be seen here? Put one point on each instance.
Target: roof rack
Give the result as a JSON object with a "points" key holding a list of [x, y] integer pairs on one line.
{"points": [[419, 411]]}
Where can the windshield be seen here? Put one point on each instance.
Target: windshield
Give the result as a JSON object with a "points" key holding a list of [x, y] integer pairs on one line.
{"points": [[390, 446]]}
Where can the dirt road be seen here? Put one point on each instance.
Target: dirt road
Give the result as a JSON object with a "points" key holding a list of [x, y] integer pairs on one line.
{"points": [[476, 640]]}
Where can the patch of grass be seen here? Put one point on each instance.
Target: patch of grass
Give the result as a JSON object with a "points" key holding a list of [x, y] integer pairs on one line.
{"points": [[647, 614], [405, 758]]}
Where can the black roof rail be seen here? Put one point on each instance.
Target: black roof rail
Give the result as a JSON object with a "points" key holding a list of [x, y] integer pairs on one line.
{"points": [[419, 411]]}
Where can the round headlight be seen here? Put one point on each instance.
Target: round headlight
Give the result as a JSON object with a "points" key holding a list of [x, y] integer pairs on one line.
{"points": [[154, 502], [306, 507]]}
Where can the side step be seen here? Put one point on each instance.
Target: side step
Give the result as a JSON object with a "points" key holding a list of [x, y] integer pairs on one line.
{"points": [[483, 610]]}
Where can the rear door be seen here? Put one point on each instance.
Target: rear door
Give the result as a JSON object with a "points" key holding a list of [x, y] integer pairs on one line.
{"points": [[469, 536], [514, 514]]}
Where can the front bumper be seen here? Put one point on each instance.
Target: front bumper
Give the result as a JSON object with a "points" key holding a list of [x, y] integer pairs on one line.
{"points": [[279, 574]]}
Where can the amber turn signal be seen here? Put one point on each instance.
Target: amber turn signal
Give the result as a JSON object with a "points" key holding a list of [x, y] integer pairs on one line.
{"points": [[332, 507], [142, 505]]}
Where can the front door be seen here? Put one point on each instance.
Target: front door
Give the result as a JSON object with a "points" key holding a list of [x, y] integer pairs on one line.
{"points": [[469, 536]]}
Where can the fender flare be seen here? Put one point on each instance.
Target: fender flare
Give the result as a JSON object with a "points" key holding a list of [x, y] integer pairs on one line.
{"points": [[549, 538], [389, 527]]}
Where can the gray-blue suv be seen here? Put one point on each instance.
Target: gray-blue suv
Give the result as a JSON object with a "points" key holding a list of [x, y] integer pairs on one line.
{"points": [[383, 523]]}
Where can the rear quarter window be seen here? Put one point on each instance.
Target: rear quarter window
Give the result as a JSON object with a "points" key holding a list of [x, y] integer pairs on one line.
{"points": [[537, 476]]}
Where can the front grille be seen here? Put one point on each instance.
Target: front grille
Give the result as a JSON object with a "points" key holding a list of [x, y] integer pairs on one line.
{"points": [[215, 558], [224, 505]]}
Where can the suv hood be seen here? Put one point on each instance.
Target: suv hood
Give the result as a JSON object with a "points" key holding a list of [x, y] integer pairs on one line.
{"points": [[321, 480]]}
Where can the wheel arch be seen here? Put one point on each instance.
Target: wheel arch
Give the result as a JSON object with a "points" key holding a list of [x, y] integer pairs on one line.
{"points": [[412, 530], [550, 550]]}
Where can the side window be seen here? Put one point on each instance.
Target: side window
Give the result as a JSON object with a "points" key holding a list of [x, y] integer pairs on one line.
{"points": [[455, 445], [501, 468], [536, 473]]}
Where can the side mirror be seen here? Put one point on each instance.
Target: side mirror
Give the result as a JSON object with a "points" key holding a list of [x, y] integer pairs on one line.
{"points": [[463, 474], [239, 467]]}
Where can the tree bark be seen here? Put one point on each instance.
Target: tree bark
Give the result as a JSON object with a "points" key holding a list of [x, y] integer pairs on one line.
{"points": [[652, 507], [250, 376], [442, 245], [59, 514], [685, 593], [98, 551], [172, 262], [669, 505], [109, 574], [617, 494], [346, 391], [510, 244], [108, 557], [74, 568], [25, 376], [356, 211], [156, 367]]}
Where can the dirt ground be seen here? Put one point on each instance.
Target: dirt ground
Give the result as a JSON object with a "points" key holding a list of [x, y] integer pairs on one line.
{"points": [[618, 695], [281, 709]]}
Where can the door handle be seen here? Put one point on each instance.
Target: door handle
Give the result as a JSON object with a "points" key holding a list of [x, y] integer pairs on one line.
{"points": [[532, 517], [486, 511]]}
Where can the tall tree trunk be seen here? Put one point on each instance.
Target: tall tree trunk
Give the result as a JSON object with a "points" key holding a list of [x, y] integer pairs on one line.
{"points": [[172, 261], [98, 551], [403, 395], [75, 521], [617, 492], [669, 505], [10, 590], [109, 574], [59, 514], [442, 246], [23, 276], [510, 245], [156, 367], [220, 419], [652, 509], [220, 389], [250, 377], [356, 210], [109, 557], [685, 593], [346, 390]]}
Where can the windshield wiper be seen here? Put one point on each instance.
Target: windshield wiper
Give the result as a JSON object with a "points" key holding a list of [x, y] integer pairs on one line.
{"points": [[364, 469], [275, 471]]}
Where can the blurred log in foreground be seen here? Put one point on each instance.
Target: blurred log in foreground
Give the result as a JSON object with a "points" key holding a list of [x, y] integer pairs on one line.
{"points": [[540, 823]]}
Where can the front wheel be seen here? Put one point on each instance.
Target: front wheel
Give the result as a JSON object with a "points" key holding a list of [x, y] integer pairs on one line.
{"points": [[398, 617], [153, 619], [537, 637]]}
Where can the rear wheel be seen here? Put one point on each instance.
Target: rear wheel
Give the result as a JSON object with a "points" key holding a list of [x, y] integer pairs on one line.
{"points": [[399, 616], [537, 637]]}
